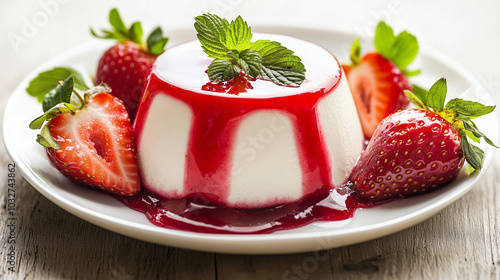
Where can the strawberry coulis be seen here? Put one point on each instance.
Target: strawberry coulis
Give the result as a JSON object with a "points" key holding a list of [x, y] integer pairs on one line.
{"points": [[204, 211], [197, 213]]}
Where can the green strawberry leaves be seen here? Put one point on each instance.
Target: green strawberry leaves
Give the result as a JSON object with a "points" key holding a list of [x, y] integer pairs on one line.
{"points": [[458, 112], [473, 154], [48, 80], [56, 102], [61, 94], [356, 52], [155, 43], [230, 45], [62, 99], [437, 94], [401, 49]]}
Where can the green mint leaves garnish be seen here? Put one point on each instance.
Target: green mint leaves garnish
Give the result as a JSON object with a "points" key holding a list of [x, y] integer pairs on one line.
{"points": [[231, 47], [155, 43], [401, 49], [459, 113], [48, 80]]}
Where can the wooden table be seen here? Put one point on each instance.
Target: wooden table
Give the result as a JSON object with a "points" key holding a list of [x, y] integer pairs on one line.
{"points": [[461, 242]]}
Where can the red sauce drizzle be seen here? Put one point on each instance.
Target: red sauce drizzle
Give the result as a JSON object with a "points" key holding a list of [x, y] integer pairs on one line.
{"points": [[215, 119], [197, 214], [208, 165]]}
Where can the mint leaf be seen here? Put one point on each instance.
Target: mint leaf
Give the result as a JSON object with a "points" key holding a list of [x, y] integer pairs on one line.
{"points": [[384, 39], [61, 94], [473, 154], [251, 62], [238, 35], [212, 35], [437, 94], [231, 47], [222, 70], [48, 80], [279, 64]]}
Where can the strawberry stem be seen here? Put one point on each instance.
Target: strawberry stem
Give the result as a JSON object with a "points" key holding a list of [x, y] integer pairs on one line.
{"points": [[82, 101]]}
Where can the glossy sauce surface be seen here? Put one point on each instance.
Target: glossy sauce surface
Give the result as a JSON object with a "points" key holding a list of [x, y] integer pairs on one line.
{"points": [[216, 117], [196, 213]]}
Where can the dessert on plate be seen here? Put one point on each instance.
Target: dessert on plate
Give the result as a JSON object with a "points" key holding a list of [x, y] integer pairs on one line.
{"points": [[269, 145], [252, 133]]}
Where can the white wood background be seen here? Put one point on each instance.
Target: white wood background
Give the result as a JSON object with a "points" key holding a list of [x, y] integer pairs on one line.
{"points": [[461, 242]]}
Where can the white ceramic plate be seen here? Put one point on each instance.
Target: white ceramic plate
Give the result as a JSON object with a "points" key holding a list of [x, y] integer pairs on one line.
{"points": [[107, 212]]}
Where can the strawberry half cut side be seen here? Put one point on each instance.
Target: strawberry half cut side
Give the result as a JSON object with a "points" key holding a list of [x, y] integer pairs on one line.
{"points": [[377, 87], [378, 79], [90, 140]]}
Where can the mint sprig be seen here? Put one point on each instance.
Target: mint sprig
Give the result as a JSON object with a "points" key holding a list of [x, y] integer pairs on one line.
{"points": [[459, 113], [230, 45], [155, 43]]}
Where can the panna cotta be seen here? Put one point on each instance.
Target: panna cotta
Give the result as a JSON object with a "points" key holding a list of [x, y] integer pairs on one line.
{"points": [[267, 146]]}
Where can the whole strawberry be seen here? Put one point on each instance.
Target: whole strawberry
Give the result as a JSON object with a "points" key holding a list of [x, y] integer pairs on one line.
{"points": [[125, 66], [379, 78], [89, 139], [417, 150]]}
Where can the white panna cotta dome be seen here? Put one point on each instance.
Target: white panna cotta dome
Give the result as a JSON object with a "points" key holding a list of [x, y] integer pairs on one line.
{"points": [[267, 146]]}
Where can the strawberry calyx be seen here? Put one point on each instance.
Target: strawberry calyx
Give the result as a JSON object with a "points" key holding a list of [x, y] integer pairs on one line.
{"points": [[459, 113], [155, 43], [63, 99], [400, 49]]}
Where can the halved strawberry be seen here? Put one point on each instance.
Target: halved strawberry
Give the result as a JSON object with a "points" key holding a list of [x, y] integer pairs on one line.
{"points": [[378, 80], [125, 66], [90, 140], [417, 150]]}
